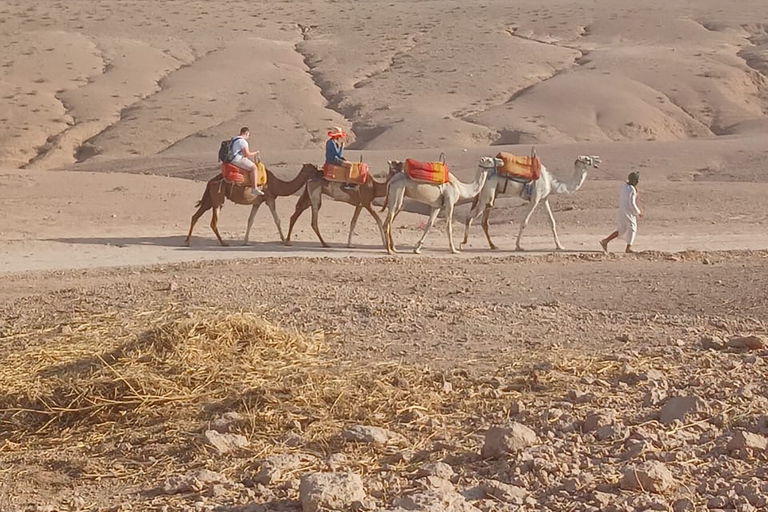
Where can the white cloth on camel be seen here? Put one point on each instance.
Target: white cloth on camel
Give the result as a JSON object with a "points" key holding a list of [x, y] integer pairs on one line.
{"points": [[628, 212]]}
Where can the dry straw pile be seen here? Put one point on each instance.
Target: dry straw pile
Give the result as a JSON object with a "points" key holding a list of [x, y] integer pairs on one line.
{"points": [[128, 370]]}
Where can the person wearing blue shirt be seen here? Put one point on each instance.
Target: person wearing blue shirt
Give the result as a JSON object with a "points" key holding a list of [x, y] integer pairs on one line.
{"points": [[334, 152]]}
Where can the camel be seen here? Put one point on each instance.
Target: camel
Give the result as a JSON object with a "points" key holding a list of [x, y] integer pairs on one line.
{"points": [[438, 196], [540, 190], [217, 191], [360, 197]]}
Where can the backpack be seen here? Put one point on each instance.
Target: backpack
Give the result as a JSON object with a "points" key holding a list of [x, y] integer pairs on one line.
{"points": [[225, 150]]}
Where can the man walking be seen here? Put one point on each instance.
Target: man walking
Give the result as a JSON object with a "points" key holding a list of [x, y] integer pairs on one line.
{"points": [[628, 214]]}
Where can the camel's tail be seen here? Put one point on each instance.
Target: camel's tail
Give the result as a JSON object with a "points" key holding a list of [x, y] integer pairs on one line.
{"points": [[206, 199], [386, 201]]}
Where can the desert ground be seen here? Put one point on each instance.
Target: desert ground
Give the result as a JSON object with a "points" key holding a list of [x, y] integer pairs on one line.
{"points": [[140, 374]]}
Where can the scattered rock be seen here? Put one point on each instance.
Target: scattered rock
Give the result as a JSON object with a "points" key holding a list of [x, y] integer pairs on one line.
{"points": [[438, 469], [372, 435], [679, 407], [683, 505], [747, 342], [336, 461], [748, 440], [712, 342], [275, 467], [196, 481], [500, 440], [225, 443], [651, 476], [504, 492], [434, 501], [226, 422], [596, 420], [334, 491]]}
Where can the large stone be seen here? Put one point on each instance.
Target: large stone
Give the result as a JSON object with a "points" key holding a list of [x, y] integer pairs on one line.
{"points": [[651, 476], [505, 493], [225, 443], [372, 435], [679, 407], [748, 440], [331, 491], [500, 440], [712, 342], [597, 420], [748, 342]]}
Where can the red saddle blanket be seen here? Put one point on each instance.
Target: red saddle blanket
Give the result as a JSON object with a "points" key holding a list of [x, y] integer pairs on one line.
{"points": [[358, 174], [428, 172], [522, 167], [234, 174]]}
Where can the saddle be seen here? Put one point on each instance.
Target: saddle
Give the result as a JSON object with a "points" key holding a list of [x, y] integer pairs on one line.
{"points": [[427, 172], [523, 169], [357, 175], [235, 176]]}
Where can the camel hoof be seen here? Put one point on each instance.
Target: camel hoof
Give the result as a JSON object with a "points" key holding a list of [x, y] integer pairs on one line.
{"points": [[417, 250], [326, 246], [519, 249], [186, 243], [455, 251], [494, 247], [224, 244], [246, 243], [288, 243], [560, 249]]}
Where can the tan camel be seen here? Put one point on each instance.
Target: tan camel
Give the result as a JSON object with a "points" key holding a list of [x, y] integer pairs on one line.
{"points": [[217, 191], [539, 191], [360, 197], [438, 196]]}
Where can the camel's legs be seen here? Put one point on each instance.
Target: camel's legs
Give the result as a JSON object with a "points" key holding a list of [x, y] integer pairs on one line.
{"points": [[301, 205], [273, 208], [430, 223], [316, 204], [486, 224], [531, 209], [553, 224], [473, 212], [200, 211], [254, 210], [215, 225], [396, 204], [449, 207], [353, 223], [378, 223]]}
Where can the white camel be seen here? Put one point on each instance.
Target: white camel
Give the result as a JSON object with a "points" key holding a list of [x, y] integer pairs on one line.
{"points": [[438, 196], [540, 190]]}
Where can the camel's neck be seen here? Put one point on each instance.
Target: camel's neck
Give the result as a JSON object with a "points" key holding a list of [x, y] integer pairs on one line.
{"points": [[469, 190], [379, 188], [286, 188], [570, 186]]}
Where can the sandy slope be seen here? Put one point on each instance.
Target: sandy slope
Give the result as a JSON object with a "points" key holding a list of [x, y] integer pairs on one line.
{"points": [[88, 79]]}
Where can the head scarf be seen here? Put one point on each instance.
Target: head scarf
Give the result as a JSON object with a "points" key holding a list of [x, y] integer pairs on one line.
{"points": [[337, 133], [633, 178]]}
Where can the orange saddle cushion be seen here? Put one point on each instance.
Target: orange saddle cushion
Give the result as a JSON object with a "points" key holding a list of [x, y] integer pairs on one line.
{"points": [[428, 172], [523, 167]]}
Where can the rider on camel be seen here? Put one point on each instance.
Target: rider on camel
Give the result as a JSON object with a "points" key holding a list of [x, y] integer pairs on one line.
{"points": [[334, 152]]}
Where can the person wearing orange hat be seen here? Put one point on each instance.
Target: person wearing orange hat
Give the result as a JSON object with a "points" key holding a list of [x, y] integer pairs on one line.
{"points": [[334, 151]]}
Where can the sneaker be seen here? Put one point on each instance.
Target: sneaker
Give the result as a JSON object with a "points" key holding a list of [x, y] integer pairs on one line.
{"points": [[348, 186], [257, 191]]}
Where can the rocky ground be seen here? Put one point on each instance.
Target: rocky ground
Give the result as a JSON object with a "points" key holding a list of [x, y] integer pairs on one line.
{"points": [[315, 385]]}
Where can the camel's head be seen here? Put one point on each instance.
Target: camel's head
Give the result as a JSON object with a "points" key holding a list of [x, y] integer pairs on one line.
{"points": [[395, 166], [585, 162], [487, 162]]}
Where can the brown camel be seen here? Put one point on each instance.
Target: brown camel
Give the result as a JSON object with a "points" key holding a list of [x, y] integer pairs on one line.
{"points": [[360, 197], [217, 191]]}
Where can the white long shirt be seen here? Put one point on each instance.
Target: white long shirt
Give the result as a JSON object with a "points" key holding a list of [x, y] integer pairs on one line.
{"points": [[628, 213]]}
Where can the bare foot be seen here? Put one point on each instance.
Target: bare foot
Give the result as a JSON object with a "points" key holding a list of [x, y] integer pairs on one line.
{"points": [[604, 245]]}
